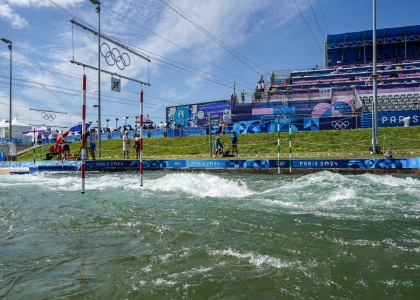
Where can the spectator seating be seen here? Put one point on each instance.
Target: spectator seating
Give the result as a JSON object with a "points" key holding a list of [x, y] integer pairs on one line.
{"points": [[398, 84], [391, 102]]}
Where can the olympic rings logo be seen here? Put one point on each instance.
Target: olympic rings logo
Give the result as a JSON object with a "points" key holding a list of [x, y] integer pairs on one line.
{"points": [[339, 124], [48, 116], [282, 163], [114, 57]]}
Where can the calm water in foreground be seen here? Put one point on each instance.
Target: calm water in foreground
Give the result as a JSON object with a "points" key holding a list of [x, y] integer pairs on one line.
{"points": [[210, 236]]}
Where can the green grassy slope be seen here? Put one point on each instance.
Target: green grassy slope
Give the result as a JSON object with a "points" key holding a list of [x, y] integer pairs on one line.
{"points": [[317, 144]]}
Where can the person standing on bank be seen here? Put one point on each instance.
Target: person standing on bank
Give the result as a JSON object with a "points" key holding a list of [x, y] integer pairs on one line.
{"points": [[218, 147], [234, 142], [225, 122], [92, 143], [126, 144]]}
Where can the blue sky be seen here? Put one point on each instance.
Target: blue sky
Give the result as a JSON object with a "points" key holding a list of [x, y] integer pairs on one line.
{"points": [[265, 36]]}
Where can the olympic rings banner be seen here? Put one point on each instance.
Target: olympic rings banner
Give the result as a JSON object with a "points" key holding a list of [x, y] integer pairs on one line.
{"points": [[337, 123]]}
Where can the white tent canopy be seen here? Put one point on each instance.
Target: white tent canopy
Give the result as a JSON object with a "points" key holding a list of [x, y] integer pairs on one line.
{"points": [[3, 126], [17, 128], [16, 122]]}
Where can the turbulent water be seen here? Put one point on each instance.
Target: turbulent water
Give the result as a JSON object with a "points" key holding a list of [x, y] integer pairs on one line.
{"points": [[207, 236]]}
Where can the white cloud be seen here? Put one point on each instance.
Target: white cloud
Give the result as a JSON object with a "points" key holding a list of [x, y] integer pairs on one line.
{"points": [[15, 20], [233, 22], [41, 3]]}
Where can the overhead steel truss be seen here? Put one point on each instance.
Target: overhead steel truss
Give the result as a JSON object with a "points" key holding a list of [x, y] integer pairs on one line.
{"points": [[381, 41]]}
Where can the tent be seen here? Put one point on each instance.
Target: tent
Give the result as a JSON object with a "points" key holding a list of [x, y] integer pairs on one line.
{"points": [[3, 126], [17, 128]]}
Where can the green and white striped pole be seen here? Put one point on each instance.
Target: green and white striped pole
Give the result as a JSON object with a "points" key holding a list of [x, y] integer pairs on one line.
{"points": [[290, 145]]}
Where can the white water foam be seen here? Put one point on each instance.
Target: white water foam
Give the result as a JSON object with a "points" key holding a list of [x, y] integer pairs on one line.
{"points": [[254, 259], [200, 185], [196, 185], [336, 195], [389, 180]]}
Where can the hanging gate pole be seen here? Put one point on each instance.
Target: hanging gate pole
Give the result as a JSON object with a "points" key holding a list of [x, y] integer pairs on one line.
{"points": [[278, 145], [83, 132], [141, 137], [290, 146], [34, 149]]}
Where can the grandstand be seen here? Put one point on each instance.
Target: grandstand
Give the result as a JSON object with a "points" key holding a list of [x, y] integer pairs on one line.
{"points": [[342, 90], [336, 96]]}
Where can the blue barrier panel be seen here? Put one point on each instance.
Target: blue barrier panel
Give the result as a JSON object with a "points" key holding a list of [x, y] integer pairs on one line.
{"points": [[104, 136], [173, 132], [413, 163], [17, 140], [145, 134], [1, 156], [115, 135], [193, 131], [176, 163], [157, 132]]}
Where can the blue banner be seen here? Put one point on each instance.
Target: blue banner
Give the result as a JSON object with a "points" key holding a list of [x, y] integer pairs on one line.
{"points": [[337, 123], [214, 109], [382, 163], [390, 118]]}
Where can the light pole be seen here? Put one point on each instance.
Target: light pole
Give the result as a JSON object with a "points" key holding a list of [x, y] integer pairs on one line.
{"points": [[98, 10], [135, 122], [107, 120], [10, 79], [97, 122], [116, 120]]}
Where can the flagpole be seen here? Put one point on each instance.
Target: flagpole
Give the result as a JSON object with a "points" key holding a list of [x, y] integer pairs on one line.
{"points": [[83, 132]]}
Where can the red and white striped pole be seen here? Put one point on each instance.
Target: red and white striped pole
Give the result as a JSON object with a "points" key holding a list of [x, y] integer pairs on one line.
{"points": [[83, 132], [141, 137]]}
